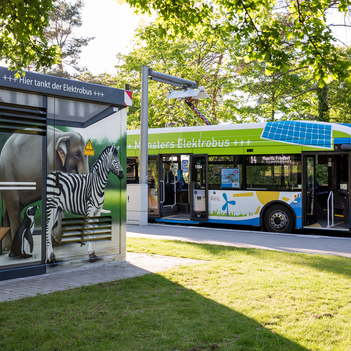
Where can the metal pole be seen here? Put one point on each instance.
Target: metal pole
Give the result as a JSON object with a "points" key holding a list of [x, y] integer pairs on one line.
{"points": [[144, 125], [168, 79]]}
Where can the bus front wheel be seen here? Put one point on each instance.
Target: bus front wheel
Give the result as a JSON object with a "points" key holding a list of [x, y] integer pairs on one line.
{"points": [[278, 218]]}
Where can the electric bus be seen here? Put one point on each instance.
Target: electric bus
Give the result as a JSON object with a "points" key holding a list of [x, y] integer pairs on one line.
{"points": [[276, 175]]}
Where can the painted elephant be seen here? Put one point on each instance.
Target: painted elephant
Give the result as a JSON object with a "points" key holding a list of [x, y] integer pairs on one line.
{"points": [[21, 161]]}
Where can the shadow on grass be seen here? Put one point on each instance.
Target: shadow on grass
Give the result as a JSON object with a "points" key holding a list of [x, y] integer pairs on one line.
{"points": [[144, 313]]}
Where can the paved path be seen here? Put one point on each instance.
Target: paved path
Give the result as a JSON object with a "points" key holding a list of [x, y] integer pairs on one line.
{"points": [[136, 265], [314, 244]]}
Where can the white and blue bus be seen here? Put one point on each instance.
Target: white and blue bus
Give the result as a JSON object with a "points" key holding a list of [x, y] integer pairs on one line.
{"points": [[276, 175]]}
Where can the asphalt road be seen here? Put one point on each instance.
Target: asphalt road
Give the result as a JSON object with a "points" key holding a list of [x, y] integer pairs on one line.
{"points": [[298, 242]]}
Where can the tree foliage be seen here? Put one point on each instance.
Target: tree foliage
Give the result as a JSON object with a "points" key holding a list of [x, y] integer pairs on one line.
{"points": [[22, 40], [338, 97], [271, 30], [339, 101], [196, 59], [257, 96]]}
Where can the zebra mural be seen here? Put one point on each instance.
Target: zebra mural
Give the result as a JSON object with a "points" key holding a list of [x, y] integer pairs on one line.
{"points": [[79, 194]]}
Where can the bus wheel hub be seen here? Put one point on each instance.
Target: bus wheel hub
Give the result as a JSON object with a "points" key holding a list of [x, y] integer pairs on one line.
{"points": [[279, 220]]}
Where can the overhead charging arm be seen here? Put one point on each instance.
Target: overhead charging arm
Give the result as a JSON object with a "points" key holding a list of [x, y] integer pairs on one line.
{"points": [[190, 96], [191, 103], [189, 93]]}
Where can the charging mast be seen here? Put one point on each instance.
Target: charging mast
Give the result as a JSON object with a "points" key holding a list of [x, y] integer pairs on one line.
{"points": [[188, 90], [144, 125]]}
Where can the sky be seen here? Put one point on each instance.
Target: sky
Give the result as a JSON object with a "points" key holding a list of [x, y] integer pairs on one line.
{"points": [[113, 26], [342, 33]]}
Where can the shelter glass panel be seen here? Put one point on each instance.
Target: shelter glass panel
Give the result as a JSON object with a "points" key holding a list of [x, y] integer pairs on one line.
{"points": [[21, 206]]}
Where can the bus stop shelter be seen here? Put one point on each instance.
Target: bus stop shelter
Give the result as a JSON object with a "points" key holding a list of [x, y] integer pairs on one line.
{"points": [[51, 124]]}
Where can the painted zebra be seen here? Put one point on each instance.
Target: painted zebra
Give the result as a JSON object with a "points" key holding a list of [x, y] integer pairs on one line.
{"points": [[79, 194]]}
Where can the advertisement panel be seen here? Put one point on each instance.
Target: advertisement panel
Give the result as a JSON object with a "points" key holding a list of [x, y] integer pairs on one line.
{"points": [[87, 196], [230, 178]]}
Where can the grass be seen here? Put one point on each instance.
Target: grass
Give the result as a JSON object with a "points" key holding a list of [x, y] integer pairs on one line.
{"points": [[241, 299]]}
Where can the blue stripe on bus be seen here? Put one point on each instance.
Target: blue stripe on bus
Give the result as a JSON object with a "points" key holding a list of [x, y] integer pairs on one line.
{"points": [[179, 221], [342, 141], [249, 221]]}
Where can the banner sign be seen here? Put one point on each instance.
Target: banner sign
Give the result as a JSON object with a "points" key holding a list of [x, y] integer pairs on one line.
{"points": [[51, 85]]}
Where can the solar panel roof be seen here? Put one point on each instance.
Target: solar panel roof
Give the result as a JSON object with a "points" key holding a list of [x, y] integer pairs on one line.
{"points": [[299, 133]]}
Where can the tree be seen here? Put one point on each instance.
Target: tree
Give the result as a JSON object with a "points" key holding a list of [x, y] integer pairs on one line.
{"points": [[257, 96], [22, 39], [338, 97], [339, 101], [270, 29], [64, 18], [334, 99], [101, 79]]}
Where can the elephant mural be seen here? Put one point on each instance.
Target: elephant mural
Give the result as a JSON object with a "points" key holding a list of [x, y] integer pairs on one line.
{"points": [[21, 161]]}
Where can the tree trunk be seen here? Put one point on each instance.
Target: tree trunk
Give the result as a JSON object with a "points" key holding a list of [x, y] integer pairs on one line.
{"points": [[216, 90], [323, 107], [273, 108]]}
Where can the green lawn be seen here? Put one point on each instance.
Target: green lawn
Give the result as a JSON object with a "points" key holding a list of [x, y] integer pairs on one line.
{"points": [[240, 299]]}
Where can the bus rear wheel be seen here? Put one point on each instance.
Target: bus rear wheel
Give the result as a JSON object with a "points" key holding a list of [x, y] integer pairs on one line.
{"points": [[278, 218]]}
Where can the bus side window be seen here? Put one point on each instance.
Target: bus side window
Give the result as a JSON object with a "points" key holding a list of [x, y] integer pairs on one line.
{"points": [[217, 163], [273, 172]]}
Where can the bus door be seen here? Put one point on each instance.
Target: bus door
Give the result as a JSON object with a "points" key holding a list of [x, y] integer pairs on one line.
{"points": [[168, 181], [154, 187], [310, 189], [199, 187], [326, 190]]}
